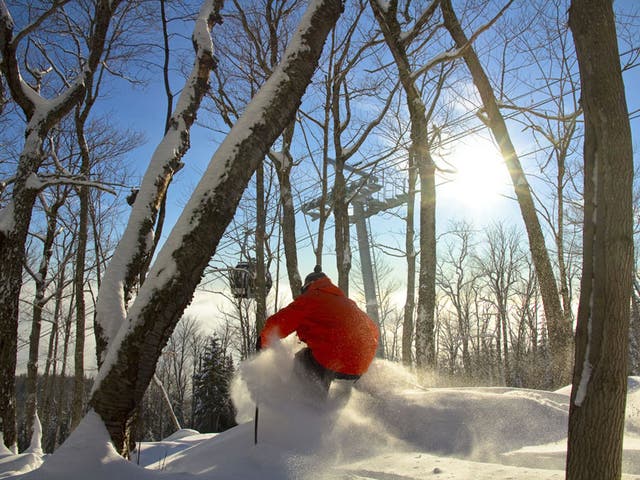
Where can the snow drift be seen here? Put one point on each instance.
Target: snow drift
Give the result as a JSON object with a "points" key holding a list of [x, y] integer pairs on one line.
{"points": [[385, 427]]}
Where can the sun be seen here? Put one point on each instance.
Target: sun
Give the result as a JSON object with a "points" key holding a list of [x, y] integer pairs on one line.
{"points": [[478, 177]]}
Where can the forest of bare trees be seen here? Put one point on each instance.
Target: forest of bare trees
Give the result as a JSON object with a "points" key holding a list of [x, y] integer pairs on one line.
{"points": [[332, 129]]}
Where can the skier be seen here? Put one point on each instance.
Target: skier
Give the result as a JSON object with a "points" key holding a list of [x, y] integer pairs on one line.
{"points": [[341, 339]]}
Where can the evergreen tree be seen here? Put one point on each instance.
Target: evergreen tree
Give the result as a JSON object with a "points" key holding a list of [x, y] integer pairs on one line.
{"points": [[214, 411]]}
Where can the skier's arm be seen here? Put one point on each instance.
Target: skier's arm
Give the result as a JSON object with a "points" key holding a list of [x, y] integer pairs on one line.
{"points": [[283, 323]]}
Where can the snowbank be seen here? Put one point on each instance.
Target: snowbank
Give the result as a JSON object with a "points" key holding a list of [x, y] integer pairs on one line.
{"points": [[387, 427]]}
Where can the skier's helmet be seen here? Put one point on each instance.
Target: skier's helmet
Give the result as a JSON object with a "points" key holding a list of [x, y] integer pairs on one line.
{"points": [[313, 276]]}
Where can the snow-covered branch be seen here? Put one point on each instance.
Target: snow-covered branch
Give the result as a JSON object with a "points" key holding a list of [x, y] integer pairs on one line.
{"points": [[407, 37], [77, 180], [136, 241], [180, 264]]}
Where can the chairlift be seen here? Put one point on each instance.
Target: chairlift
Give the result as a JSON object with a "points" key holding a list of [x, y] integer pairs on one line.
{"points": [[242, 280]]}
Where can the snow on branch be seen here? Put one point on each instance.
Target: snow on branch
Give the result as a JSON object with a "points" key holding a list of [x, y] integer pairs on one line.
{"points": [[136, 241], [407, 37], [44, 181], [571, 117]]}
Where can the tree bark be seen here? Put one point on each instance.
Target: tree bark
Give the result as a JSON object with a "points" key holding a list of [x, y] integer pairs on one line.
{"points": [[560, 331], [410, 302], [342, 233], [283, 164], [598, 397], [130, 361], [77, 407], [425, 321], [261, 226]]}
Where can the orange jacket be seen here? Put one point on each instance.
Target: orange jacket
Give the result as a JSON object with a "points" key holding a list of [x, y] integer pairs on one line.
{"points": [[341, 336]]}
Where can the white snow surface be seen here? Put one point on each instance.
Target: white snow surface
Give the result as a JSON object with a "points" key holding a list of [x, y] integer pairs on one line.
{"points": [[386, 428]]}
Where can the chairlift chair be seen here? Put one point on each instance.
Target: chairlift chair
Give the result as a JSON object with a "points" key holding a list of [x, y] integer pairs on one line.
{"points": [[242, 280]]}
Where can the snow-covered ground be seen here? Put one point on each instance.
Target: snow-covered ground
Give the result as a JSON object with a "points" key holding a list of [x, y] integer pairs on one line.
{"points": [[388, 428]]}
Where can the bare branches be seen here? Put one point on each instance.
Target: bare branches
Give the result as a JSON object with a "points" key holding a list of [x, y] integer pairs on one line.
{"points": [[408, 37], [461, 49], [33, 26]]}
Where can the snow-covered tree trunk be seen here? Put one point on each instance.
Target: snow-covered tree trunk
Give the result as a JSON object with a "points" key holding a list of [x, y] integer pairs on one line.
{"points": [[131, 254], [132, 355], [598, 396], [559, 328], [35, 445], [42, 115]]}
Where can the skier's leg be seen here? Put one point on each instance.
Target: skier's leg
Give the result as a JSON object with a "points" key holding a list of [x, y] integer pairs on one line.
{"points": [[315, 375], [344, 384]]}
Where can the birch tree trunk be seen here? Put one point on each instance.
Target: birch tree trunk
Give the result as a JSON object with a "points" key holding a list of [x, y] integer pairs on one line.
{"points": [[598, 397], [15, 217], [560, 331], [131, 358]]}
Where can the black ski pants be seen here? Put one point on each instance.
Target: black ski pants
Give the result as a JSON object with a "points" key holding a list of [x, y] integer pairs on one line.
{"points": [[308, 368]]}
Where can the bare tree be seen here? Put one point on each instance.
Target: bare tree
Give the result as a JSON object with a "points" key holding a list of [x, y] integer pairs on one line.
{"points": [[457, 279], [421, 155], [265, 29], [131, 359], [598, 396], [42, 281], [349, 133], [41, 116], [180, 362], [527, 366], [553, 122], [499, 264], [410, 301], [560, 331]]}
